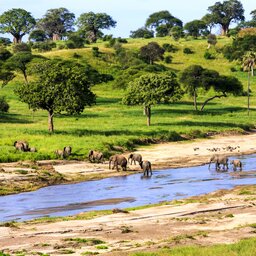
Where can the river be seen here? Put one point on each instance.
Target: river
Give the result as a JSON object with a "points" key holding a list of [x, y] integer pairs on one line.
{"points": [[121, 192]]}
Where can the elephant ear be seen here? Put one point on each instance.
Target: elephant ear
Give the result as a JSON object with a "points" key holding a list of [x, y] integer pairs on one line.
{"points": [[15, 143]]}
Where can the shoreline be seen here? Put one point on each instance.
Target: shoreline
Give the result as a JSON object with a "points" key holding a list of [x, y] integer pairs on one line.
{"points": [[28, 176]]}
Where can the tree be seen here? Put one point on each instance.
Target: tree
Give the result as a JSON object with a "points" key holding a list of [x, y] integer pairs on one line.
{"points": [[222, 86], [209, 21], [226, 12], [151, 89], [191, 77], [162, 22], [151, 52], [17, 22], [90, 24], [56, 23], [37, 35], [176, 32], [19, 62], [249, 61], [142, 33], [59, 87], [196, 28]]}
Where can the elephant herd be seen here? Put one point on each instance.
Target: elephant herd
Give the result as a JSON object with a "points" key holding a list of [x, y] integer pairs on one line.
{"points": [[116, 161], [120, 160], [223, 160]]}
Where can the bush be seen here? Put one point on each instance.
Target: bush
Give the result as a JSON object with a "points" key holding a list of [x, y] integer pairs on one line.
{"points": [[170, 47], [187, 51], [208, 56], [44, 46], [4, 54], [233, 69], [4, 106], [168, 59], [62, 46], [22, 47], [5, 41], [95, 52]]}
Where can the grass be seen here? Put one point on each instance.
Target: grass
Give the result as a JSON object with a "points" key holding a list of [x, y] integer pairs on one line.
{"points": [[246, 247], [109, 123]]}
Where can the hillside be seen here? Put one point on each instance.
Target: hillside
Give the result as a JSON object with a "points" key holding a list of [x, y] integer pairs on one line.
{"points": [[109, 123]]}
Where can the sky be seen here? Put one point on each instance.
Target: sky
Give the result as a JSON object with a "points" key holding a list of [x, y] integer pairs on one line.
{"points": [[129, 14]]}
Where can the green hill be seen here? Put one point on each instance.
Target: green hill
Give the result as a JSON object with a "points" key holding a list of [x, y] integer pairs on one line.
{"points": [[109, 123]]}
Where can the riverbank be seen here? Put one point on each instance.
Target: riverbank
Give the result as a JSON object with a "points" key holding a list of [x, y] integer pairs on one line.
{"points": [[26, 176], [225, 216]]}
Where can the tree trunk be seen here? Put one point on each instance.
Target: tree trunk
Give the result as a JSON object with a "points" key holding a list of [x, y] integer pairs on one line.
{"points": [[55, 37], [148, 114], [25, 76], [195, 102], [224, 30], [248, 93], [17, 39], [50, 121], [212, 98]]}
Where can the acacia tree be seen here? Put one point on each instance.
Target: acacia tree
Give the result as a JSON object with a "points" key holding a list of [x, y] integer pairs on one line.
{"points": [[191, 77], [151, 89], [56, 23], [151, 52], [91, 24], [162, 22], [17, 22], [226, 12], [222, 86], [59, 87], [249, 61]]}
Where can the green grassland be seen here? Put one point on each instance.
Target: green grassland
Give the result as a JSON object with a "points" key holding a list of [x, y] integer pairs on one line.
{"points": [[109, 123]]}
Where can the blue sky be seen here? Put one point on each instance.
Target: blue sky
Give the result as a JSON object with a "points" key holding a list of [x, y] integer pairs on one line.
{"points": [[129, 14]]}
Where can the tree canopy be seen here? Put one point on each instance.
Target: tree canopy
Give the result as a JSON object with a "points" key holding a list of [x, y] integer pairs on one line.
{"points": [[226, 12], [151, 52], [60, 86], [151, 89], [91, 24], [195, 77], [162, 22], [17, 22], [142, 33], [56, 23], [196, 28]]}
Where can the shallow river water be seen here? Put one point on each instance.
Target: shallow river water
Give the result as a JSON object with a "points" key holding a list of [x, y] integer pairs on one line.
{"points": [[121, 192]]}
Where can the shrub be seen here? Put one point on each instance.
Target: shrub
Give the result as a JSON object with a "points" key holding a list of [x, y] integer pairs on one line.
{"points": [[169, 47], [95, 51], [44, 46], [5, 41], [208, 56], [187, 51], [4, 54], [168, 59], [22, 47], [4, 106]]}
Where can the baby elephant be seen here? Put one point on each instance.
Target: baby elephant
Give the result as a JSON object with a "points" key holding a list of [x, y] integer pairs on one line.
{"points": [[146, 167], [236, 163], [135, 158], [95, 156], [67, 151], [118, 160]]}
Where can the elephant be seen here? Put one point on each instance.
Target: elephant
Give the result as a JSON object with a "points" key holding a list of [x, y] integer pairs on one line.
{"points": [[67, 151], [21, 145], [146, 167], [95, 156], [59, 153], [118, 160], [236, 163], [135, 158], [218, 160]]}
